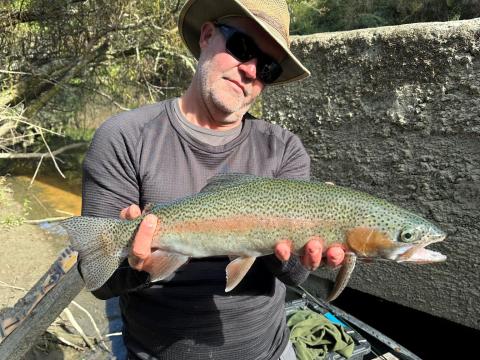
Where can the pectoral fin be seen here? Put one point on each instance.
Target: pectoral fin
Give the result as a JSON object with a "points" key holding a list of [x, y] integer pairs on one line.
{"points": [[236, 271], [343, 275], [368, 242], [165, 263]]}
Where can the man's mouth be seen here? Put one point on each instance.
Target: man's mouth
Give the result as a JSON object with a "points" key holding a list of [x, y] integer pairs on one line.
{"points": [[237, 84]]}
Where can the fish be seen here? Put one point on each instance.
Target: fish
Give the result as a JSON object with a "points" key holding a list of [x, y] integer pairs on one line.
{"points": [[245, 216]]}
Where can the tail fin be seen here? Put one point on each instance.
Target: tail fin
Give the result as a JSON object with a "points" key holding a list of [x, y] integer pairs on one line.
{"points": [[101, 246]]}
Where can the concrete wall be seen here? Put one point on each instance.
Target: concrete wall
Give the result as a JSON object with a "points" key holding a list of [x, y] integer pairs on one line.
{"points": [[395, 111]]}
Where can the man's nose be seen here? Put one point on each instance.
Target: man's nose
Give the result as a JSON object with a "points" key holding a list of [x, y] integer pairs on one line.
{"points": [[249, 68]]}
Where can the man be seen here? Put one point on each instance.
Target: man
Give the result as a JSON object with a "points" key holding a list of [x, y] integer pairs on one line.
{"points": [[169, 150]]}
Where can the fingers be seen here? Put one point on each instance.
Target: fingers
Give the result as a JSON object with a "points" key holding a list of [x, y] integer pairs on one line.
{"points": [[283, 250], [335, 255], [130, 213], [141, 247], [312, 253]]}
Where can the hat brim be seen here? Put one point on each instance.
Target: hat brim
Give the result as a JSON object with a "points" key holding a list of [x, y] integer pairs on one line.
{"points": [[196, 12]]}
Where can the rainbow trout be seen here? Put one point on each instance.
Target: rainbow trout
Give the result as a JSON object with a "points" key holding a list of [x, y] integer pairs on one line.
{"points": [[244, 216]]}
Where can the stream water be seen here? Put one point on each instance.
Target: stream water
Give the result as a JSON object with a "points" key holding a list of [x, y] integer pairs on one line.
{"points": [[49, 196]]}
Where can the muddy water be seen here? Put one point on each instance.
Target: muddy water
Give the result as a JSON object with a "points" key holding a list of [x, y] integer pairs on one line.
{"points": [[49, 196]]}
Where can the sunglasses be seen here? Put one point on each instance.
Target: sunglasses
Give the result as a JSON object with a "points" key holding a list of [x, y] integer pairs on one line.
{"points": [[243, 48]]}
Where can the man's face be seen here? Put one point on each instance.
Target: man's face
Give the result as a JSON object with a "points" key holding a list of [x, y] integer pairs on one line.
{"points": [[229, 87]]}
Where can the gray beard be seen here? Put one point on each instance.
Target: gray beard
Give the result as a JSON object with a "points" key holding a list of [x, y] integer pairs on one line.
{"points": [[234, 109]]}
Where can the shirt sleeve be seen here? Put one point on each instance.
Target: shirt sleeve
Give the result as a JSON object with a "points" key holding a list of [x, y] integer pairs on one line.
{"points": [[109, 185], [109, 172], [295, 162], [295, 165]]}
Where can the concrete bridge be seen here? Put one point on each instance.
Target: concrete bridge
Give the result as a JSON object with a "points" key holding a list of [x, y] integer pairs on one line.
{"points": [[395, 111]]}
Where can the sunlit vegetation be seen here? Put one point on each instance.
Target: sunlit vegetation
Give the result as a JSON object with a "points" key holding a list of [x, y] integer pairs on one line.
{"points": [[66, 65], [311, 16]]}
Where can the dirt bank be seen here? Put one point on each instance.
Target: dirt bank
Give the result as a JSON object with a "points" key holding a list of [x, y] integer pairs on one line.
{"points": [[27, 253]]}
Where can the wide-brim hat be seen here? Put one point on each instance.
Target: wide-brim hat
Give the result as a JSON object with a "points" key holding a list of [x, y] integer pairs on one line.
{"points": [[271, 15]]}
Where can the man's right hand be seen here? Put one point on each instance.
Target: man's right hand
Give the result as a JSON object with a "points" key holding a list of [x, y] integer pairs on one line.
{"points": [[140, 257]]}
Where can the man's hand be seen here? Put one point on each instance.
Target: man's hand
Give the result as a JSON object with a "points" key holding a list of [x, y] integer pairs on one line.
{"points": [[312, 253], [140, 257]]}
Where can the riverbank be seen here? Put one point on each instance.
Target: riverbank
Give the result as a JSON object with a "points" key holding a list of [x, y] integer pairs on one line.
{"points": [[27, 253]]}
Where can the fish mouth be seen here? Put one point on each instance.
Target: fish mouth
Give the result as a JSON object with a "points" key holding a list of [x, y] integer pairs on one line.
{"points": [[416, 253]]}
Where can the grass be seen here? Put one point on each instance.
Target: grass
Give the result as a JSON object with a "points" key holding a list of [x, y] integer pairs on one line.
{"points": [[7, 219]]}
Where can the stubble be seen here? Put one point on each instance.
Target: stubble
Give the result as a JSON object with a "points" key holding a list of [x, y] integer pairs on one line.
{"points": [[220, 95]]}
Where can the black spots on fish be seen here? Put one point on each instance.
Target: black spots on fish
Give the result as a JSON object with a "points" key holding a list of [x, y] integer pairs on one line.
{"points": [[264, 198], [105, 239], [98, 245]]}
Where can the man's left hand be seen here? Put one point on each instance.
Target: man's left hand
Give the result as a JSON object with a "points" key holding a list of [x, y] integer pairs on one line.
{"points": [[313, 251]]}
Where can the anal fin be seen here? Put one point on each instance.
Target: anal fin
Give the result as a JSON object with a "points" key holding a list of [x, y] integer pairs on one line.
{"points": [[164, 264], [236, 271], [343, 275]]}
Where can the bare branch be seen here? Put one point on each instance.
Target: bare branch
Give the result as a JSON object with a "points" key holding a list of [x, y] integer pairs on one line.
{"points": [[7, 127], [52, 219], [93, 51], [40, 155], [51, 155]]}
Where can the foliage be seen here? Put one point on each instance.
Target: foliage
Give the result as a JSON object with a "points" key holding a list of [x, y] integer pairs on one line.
{"points": [[69, 64], [63, 60], [304, 15], [310, 16]]}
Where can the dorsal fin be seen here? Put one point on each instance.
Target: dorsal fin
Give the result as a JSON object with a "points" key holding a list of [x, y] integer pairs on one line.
{"points": [[223, 181]]}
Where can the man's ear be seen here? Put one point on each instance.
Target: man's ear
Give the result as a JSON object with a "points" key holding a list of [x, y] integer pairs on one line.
{"points": [[206, 33]]}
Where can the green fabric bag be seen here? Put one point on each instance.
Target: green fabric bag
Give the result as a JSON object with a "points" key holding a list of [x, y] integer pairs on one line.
{"points": [[314, 336]]}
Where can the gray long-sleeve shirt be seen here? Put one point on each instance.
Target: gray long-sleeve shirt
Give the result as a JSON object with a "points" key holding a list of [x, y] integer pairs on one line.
{"points": [[146, 156]]}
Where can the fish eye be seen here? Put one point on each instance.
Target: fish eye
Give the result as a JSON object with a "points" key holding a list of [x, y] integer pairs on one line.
{"points": [[407, 235]]}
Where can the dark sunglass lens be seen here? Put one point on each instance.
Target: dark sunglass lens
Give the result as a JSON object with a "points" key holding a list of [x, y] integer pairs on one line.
{"points": [[241, 46], [268, 70]]}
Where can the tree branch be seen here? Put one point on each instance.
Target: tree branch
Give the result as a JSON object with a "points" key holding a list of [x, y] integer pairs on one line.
{"points": [[11, 18], [33, 83], [41, 155], [92, 52]]}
